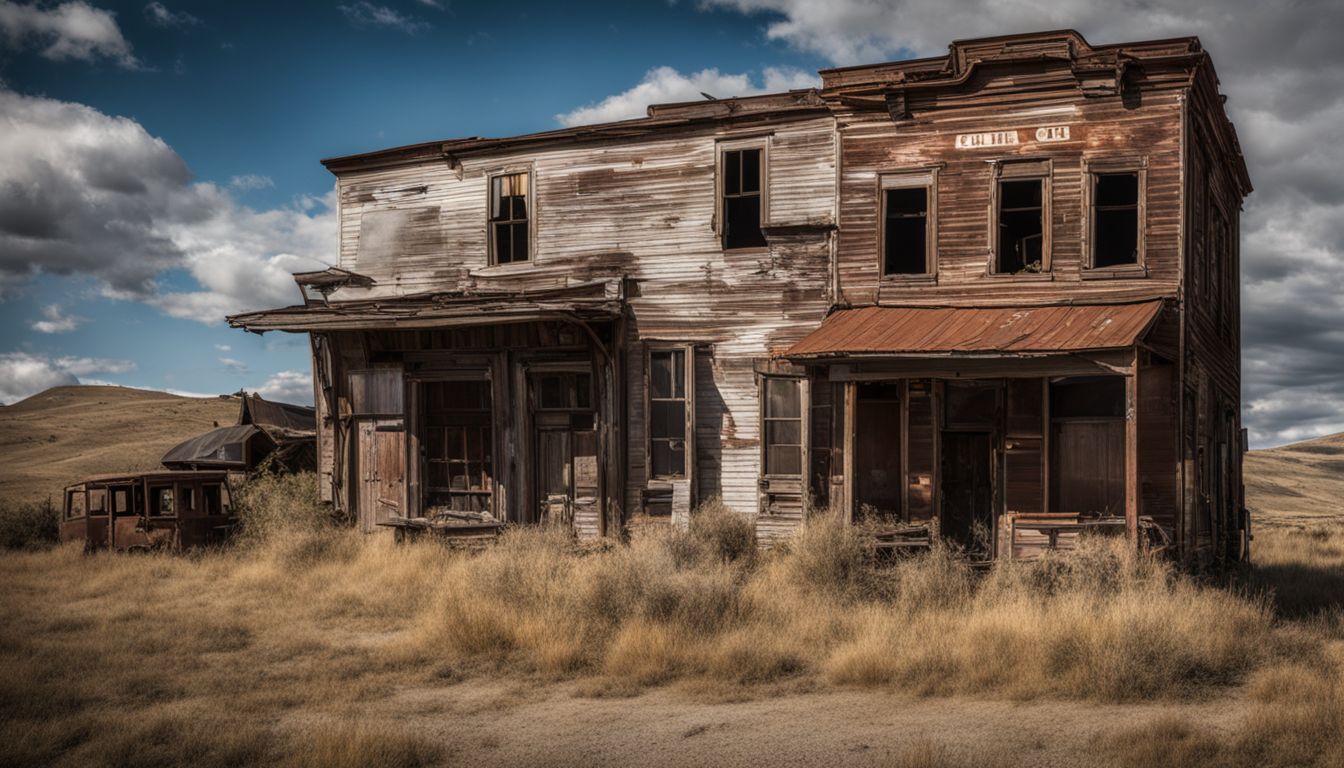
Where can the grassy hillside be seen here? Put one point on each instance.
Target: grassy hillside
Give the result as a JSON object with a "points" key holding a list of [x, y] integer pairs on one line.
{"points": [[65, 433], [1298, 483]]}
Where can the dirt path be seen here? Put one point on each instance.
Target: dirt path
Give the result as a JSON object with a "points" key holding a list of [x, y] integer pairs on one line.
{"points": [[493, 723]]}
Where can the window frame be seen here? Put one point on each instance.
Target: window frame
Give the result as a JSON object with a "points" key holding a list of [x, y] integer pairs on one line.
{"points": [[722, 148], [802, 419], [1022, 169], [913, 178], [1091, 170], [688, 438], [490, 176]]}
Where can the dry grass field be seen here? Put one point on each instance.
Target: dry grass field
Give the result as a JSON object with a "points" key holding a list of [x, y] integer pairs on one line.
{"points": [[307, 644]]}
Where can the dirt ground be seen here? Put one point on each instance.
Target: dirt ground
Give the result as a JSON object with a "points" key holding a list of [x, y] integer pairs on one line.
{"points": [[494, 723]]}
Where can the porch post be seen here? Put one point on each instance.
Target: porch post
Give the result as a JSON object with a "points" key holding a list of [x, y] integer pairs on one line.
{"points": [[851, 398], [1132, 447]]}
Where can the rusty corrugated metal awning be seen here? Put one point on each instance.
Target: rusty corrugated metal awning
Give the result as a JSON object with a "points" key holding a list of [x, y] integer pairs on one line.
{"points": [[906, 331]]}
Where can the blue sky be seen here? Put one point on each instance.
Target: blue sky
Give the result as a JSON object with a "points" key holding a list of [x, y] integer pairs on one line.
{"points": [[159, 160]]}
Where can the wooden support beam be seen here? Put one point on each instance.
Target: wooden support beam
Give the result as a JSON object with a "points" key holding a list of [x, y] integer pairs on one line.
{"points": [[1132, 448]]}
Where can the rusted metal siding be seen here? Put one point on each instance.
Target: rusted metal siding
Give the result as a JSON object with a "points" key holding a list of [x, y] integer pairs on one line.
{"points": [[1007, 330]]}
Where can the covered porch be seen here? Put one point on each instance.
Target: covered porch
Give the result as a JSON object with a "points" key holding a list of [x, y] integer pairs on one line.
{"points": [[1006, 430], [468, 410]]}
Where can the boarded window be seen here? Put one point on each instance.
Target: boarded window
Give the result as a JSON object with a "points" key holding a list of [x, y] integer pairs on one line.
{"points": [[742, 184], [509, 218], [1115, 219], [783, 426], [459, 444], [905, 231], [376, 392], [667, 413], [1021, 223]]}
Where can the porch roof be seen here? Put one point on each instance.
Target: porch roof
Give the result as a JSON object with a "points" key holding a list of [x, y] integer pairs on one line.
{"points": [[594, 300], [976, 331]]}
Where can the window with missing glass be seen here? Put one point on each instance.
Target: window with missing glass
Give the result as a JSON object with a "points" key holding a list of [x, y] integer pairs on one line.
{"points": [[782, 426], [742, 177], [509, 234], [1115, 219], [668, 422], [907, 224], [1021, 234]]}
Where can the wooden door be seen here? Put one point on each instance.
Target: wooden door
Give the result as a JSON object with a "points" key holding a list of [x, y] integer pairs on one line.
{"points": [[967, 490], [381, 469], [1088, 472], [555, 473]]}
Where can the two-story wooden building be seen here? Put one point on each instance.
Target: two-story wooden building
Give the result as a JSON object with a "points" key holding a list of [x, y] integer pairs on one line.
{"points": [[988, 289]]}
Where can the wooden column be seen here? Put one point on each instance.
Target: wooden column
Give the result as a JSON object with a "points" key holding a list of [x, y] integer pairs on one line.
{"points": [[1132, 447], [851, 398]]}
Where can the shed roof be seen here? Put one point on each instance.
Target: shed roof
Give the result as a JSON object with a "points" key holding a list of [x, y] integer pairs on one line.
{"points": [[978, 331], [219, 447]]}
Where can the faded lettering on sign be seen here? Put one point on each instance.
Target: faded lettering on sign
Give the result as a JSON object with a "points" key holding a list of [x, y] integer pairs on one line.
{"points": [[1053, 133], [991, 139]]}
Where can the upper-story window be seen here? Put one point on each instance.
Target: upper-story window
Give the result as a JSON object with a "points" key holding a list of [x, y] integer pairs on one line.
{"points": [[509, 218], [908, 224], [742, 175], [1022, 207], [1116, 225]]}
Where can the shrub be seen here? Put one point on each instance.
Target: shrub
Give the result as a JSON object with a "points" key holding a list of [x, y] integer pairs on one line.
{"points": [[29, 525]]}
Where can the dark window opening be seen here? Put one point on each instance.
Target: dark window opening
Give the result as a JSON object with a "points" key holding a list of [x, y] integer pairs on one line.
{"points": [[1115, 228], [161, 502], [458, 445], [742, 199], [1021, 226], [508, 218], [667, 413], [783, 423], [1088, 397], [564, 391], [906, 231], [211, 500]]}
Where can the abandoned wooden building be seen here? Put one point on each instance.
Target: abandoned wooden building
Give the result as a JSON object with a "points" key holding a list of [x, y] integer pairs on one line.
{"points": [[993, 292]]}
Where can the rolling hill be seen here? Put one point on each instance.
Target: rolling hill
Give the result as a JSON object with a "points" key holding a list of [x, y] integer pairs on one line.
{"points": [[61, 435], [1297, 483]]}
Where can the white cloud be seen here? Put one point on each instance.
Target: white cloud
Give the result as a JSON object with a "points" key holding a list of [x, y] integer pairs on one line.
{"points": [[223, 347], [288, 387], [74, 30], [23, 374], [159, 15], [435, 4], [251, 181], [232, 365], [366, 14], [662, 85], [54, 320], [82, 192]]}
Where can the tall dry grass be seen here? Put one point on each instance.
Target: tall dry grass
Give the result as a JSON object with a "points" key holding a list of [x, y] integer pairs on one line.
{"points": [[212, 658]]}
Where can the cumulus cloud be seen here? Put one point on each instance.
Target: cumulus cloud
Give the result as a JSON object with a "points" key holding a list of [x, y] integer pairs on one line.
{"points": [[1281, 66], [54, 320], [23, 374], [662, 85], [159, 15], [288, 387], [251, 181], [82, 192], [73, 30], [366, 14]]}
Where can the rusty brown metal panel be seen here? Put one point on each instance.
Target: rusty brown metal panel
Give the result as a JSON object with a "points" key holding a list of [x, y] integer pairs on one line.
{"points": [[905, 330]]}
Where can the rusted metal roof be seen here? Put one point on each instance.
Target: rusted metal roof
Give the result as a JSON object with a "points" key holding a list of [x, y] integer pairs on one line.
{"points": [[875, 331]]}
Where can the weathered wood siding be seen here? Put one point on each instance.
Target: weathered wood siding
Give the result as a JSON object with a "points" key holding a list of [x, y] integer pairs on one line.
{"points": [[644, 210], [1145, 129]]}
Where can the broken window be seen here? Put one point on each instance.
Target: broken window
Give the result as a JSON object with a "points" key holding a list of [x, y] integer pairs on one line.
{"points": [[905, 231], [782, 422], [742, 184], [98, 501], [667, 420], [1021, 226], [1115, 219], [459, 444], [211, 499], [161, 502], [121, 501], [508, 218], [74, 504]]}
